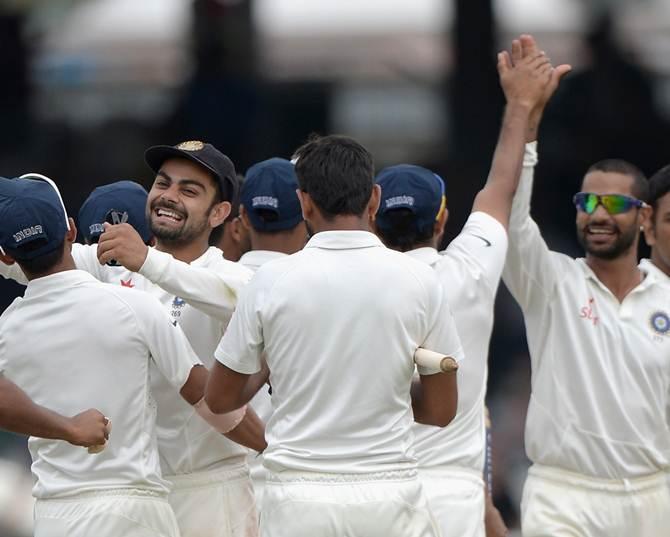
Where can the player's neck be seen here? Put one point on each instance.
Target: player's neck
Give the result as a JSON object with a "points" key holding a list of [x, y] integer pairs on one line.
{"points": [[67, 263], [659, 262], [346, 222], [620, 275], [284, 243], [187, 252]]}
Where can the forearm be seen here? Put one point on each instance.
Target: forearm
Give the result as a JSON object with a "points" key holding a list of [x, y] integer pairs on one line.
{"points": [[250, 432], [435, 399], [19, 414], [213, 291]]}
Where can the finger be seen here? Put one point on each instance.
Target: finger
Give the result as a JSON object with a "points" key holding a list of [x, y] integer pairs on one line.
{"points": [[562, 70], [539, 61], [504, 62], [528, 45], [517, 53]]}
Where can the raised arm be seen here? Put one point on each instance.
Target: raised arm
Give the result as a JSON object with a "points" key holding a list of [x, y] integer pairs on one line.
{"points": [[212, 290], [19, 414], [528, 80]]}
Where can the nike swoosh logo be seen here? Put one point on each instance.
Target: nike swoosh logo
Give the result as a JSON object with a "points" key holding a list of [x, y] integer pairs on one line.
{"points": [[486, 241]]}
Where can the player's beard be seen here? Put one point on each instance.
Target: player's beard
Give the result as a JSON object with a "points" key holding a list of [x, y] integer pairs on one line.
{"points": [[625, 238], [189, 230]]}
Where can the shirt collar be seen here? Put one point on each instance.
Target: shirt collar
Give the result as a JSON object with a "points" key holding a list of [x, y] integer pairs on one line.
{"points": [[57, 282], [652, 275], [344, 240], [257, 258], [426, 254], [653, 272]]}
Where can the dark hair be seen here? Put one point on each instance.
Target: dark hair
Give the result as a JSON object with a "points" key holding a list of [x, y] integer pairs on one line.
{"points": [[400, 231], [659, 185], [233, 195], [640, 184], [38, 265], [338, 174]]}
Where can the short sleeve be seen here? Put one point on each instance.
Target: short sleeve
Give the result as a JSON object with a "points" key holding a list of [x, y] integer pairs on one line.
{"points": [[169, 348], [442, 336], [482, 245], [242, 345]]}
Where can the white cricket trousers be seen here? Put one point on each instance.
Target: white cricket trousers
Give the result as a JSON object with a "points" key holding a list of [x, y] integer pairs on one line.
{"points": [[557, 503], [456, 499], [127, 513], [306, 504], [218, 503]]}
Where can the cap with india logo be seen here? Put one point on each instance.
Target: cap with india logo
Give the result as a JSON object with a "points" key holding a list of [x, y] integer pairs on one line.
{"points": [[417, 189], [203, 154], [269, 195], [33, 219], [116, 203]]}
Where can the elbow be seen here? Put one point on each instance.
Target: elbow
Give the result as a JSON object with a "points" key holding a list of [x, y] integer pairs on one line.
{"points": [[442, 418], [219, 404]]}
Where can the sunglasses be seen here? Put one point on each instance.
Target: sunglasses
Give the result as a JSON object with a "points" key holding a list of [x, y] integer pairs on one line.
{"points": [[612, 203]]}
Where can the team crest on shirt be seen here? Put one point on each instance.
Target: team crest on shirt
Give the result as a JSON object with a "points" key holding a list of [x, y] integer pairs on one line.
{"points": [[178, 302], [177, 305], [660, 322]]}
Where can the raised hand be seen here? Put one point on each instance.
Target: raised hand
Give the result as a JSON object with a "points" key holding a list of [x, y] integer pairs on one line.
{"points": [[529, 48], [122, 244], [526, 74]]}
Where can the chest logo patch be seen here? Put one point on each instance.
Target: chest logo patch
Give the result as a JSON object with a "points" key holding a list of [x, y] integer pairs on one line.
{"points": [[660, 322]]}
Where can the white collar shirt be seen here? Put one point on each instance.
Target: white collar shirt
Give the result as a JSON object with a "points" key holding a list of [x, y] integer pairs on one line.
{"points": [[470, 270], [339, 322], [600, 368], [74, 343]]}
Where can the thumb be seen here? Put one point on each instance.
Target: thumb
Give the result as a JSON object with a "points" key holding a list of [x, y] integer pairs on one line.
{"points": [[107, 226], [504, 62]]}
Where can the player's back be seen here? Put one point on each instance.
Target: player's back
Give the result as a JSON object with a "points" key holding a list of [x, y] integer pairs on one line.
{"points": [[341, 320], [76, 343]]}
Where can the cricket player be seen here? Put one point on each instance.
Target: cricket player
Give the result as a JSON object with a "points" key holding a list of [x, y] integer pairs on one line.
{"points": [[338, 324], [19, 414], [272, 219], [105, 362], [598, 333], [411, 218], [657, 227], [115, 203], [231, 237], [212, 494]]}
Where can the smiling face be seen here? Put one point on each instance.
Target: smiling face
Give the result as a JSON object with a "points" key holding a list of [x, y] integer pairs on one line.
{"points": [[183, 204], [604, 235]]}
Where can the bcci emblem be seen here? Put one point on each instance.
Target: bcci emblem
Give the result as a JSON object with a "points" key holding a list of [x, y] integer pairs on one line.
{"points": [[178, 302], [191, 145], [116, 217], [660, 322]]}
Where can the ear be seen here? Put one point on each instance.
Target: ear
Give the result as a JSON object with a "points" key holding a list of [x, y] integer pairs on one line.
{"points": [[219, 213], [7, 259], [306, 204], [648, 228], [71, 234], [375, 200], [438, 228], [244, 219]]}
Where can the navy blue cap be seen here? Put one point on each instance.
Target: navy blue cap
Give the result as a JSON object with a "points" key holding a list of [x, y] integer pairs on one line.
{"points": [[206, 155], [271, 185], [116, 203], [33, 220], [406, 186]]}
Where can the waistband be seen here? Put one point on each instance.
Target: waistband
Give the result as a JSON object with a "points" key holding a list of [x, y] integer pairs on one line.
{"points": [[107, 493], [317, 477], [624, 485], [453, 472], [232, 472]]}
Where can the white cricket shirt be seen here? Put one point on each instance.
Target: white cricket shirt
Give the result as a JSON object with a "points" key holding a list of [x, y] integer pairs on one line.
{"points": [[339, 322], [470, 270], [74, 343], [199, 297], [600, 369]]}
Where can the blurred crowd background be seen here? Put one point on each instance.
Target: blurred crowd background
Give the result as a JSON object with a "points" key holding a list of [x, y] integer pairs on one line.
{"points": [[87, 85]]}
